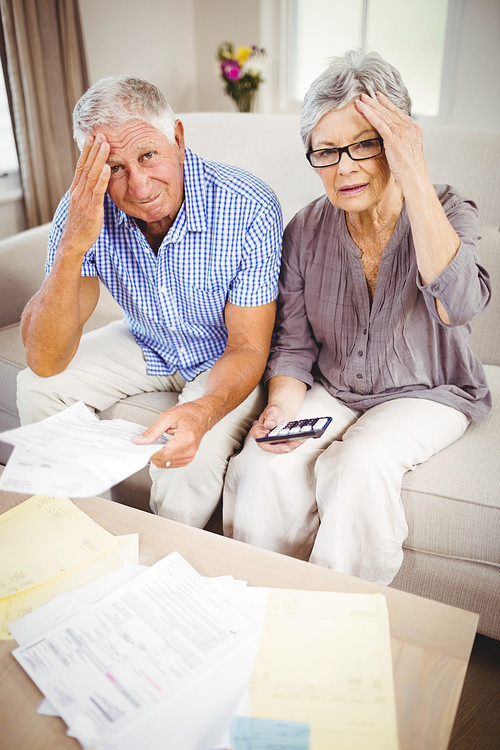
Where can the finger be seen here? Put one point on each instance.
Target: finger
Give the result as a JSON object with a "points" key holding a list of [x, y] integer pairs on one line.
{"points": [[82, 159], [98, 158], [102, 183], [286, 446], [384, 100], [173, 457], [149, 436], [379, 115], [89, 169]]}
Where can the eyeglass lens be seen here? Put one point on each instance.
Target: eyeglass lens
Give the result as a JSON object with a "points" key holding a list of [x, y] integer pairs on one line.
{"points": [[362, 150]]}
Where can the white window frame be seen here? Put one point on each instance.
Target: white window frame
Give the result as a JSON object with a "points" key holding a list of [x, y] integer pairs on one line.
{"points": [[277, 36], [10, 179]]}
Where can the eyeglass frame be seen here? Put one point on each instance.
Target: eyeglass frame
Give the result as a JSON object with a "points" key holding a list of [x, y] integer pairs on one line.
{"points": [[345, 150]]}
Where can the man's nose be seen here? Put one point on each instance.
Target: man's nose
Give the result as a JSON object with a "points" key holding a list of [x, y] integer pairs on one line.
{"points": [[138, 183]]}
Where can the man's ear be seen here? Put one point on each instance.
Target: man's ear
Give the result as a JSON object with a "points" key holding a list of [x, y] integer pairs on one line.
{"points": [[179, 137]]}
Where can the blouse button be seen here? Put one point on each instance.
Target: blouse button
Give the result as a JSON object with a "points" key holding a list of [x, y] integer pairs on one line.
{"points": [[360, 353], [359, 376], [435, 287]]}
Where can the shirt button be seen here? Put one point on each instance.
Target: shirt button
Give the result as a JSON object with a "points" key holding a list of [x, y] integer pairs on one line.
{"points": [[360, 353], [359, 376]]}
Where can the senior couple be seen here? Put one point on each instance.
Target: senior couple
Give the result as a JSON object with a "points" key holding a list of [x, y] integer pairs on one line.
{"points": [[379, 280]]}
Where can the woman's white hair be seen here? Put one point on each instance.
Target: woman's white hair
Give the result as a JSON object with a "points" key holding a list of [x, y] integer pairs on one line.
{"points": [[345, 79], [114, 100]]}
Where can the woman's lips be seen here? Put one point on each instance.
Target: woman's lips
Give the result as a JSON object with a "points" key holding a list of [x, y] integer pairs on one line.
{"points": [[352, 189]]}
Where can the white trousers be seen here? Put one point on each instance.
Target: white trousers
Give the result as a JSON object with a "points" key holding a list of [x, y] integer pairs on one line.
{"points": [[109, 366], [336, 500]]}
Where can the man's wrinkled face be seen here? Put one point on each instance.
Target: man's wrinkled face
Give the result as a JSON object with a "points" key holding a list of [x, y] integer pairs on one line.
{"points": [[147, 175]]}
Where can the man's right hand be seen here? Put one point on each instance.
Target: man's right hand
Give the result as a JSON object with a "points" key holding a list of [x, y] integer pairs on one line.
{"points": [[86, 205], [53, 320]]}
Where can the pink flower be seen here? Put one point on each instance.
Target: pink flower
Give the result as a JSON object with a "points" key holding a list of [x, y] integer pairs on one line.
{"points": [[230, 70]]}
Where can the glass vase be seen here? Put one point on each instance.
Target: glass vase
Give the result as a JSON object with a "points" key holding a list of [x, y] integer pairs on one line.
{"points": [[245, 100]]}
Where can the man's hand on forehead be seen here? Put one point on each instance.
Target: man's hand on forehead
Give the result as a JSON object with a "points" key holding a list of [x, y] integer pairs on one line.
{"points": [[87, 192]]}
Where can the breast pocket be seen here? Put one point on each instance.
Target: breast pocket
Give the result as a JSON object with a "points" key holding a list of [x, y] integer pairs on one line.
{"points": [[206, 306]]}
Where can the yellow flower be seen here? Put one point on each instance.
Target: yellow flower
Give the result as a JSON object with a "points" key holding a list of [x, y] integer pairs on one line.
{"points": [[242, 53]]}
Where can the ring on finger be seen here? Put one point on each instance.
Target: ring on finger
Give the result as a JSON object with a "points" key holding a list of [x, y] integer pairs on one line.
{"points": [[167, 464]]}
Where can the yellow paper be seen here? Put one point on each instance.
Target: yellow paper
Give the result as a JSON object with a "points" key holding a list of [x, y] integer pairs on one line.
{"points": [[43, 538], [324, 658], [49, 546]]}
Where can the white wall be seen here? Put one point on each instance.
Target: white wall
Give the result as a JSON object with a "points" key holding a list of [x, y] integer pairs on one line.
{"points": [[217, 21], [475, 102], [152, 39], [173, 43]]}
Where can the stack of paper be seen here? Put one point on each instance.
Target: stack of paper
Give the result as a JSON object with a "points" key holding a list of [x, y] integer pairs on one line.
{"points": [[74, 453], [324, 661], [48, 546], [169, 659], [160, 661]]}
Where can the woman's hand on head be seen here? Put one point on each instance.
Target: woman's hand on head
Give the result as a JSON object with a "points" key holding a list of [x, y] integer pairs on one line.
{"points": [[271, 417], [402, 137]]}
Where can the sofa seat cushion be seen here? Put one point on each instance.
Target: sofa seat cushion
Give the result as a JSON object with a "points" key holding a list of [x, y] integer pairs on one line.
{"points": [[452, 505], [12, 359], [458, 490]]}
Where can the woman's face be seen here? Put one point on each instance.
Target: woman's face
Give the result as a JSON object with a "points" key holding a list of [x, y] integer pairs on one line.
{"points": [[354, 186]]}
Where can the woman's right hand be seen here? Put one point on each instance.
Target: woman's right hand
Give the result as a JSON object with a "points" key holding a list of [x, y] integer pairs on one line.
{"points": [[271, 417]]}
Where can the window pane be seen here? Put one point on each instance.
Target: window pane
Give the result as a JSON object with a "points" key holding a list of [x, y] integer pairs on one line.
{"points": [[324, 29], [411, 37], [8, 155]]}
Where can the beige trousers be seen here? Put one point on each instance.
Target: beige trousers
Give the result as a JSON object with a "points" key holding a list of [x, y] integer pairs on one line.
{"points": [[336, 500], [110, 366]]}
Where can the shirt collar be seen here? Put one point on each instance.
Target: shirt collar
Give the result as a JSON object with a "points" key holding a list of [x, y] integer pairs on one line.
{"points": [[194, 204]]}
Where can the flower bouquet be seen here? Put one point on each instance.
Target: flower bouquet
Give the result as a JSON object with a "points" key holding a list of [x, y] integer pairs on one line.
{"points": [[241, 71]]}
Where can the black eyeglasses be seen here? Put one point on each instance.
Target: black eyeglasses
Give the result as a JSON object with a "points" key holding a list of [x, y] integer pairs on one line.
{"points": [[328, 157]]}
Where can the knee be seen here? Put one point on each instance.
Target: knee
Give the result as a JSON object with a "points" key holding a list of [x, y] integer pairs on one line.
{"points": [[36, 397], [359, 454]]}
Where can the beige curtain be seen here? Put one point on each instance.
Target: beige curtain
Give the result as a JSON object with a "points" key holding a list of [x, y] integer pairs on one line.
{"points": [[47, 74]]}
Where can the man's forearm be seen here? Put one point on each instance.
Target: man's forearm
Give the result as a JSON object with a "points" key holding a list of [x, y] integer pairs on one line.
{"points": [[52, 321], [232, 378]]}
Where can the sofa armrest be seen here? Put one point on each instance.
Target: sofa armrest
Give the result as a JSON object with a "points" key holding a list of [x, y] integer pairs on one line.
{"points": [[22, 264]]}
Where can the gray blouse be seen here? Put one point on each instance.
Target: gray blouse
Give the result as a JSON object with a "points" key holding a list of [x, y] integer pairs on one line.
{"points": [[366, 352]]}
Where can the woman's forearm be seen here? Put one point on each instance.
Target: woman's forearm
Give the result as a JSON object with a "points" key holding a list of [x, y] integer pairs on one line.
{"points": [[287, 394]]}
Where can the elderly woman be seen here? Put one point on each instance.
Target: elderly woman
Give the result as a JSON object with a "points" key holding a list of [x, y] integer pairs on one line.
{"points": [[378, 284]]}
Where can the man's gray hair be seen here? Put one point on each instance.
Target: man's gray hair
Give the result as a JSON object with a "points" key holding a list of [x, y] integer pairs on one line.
{"points": [[113, 101], [345, 79]]}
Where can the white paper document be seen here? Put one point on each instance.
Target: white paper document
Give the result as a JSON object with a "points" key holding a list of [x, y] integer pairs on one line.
{"points": [[161, 657], [163, 648], [73, 453]]}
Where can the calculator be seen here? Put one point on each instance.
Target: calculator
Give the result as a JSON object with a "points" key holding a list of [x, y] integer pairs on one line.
{"points": [[299, 429]]}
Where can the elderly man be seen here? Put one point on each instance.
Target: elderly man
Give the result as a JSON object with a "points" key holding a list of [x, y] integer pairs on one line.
{"points": [[190, 250]]}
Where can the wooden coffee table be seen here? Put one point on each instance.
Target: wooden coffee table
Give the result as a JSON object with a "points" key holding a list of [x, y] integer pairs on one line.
{"points": [[431, 642]]}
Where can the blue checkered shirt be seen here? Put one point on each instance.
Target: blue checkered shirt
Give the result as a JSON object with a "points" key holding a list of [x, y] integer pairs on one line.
{"points": [[224, 245]]}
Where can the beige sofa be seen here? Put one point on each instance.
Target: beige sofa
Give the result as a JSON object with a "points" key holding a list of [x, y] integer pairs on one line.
{"points": [[452, 553]]}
